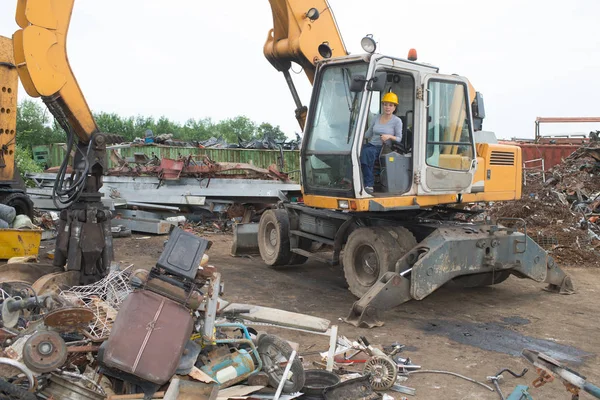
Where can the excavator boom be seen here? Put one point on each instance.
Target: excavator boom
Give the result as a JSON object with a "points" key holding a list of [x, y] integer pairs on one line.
{"points": [[304, 32], [43, 65]]}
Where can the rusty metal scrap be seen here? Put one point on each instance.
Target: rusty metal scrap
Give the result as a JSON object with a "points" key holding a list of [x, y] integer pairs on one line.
{"points": [[189, 166]]}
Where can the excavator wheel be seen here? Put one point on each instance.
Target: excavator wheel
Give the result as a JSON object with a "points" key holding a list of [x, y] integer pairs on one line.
{"points": [[21, 203], [369, 253], [479, 280], [274, 238]]}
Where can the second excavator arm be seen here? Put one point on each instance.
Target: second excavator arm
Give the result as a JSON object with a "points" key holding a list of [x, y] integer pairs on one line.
{"points": [[304, 32]]}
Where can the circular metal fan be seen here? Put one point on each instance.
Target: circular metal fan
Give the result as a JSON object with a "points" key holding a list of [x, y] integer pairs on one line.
{"points": [[382, 372]]}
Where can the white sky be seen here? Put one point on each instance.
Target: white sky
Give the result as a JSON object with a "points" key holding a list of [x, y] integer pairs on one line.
{"points": [[198, 59]]}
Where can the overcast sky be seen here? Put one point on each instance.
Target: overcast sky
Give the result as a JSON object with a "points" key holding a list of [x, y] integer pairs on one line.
{"points": [[199, 59]]}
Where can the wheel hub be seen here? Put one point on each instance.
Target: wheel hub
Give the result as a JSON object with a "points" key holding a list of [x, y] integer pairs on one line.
{"points": [[366, 266]]}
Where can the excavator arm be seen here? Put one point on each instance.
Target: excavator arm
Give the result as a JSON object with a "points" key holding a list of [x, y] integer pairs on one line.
{"points": [[304, 32]]}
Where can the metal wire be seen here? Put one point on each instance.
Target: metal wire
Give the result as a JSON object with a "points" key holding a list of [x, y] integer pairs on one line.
{"points": [[104, 298], [433, 371]]}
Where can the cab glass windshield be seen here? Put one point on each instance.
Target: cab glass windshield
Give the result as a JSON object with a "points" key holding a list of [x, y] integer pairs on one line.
{"points": [[331, 128]]}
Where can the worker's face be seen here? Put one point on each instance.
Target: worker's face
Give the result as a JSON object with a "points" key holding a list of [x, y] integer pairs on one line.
{"points": [[389, 108]]}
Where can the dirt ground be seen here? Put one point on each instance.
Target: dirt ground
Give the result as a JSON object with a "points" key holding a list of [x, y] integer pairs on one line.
{"points": [[474, 332]]}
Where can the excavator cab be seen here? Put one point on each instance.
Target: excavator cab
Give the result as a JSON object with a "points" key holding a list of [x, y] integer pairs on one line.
{"points": [[436, 155]]}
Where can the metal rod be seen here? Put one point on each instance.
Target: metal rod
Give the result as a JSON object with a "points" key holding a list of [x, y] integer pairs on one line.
{"points": [[290, 82], [285, 374], [332, 347]]}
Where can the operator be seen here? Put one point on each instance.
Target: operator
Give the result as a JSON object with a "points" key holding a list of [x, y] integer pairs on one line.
{"points": [[384, 127]]}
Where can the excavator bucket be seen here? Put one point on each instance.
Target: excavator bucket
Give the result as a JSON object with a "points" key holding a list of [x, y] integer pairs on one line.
{"points": [[245, 239]]}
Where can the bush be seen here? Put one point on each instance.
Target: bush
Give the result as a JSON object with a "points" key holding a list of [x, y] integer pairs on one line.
{"points": [[25, 162]]}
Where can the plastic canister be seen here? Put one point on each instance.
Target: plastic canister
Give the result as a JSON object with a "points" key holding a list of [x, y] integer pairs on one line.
{"points": [[234, 366]]}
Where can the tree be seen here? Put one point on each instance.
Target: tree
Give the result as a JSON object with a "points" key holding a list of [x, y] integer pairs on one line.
{"points": [[272, 132], [33, 125], [238, 128]]}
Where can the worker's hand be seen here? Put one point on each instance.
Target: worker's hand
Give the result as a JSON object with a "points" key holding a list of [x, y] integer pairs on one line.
{"points": [[387, 137]]}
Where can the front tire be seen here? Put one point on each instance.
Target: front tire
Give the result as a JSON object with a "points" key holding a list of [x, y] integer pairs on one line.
{"points": [[274, 238], [368, 255]]}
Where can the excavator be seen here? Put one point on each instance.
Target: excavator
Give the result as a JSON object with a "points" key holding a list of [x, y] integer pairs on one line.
{"points": [[400, 242]]}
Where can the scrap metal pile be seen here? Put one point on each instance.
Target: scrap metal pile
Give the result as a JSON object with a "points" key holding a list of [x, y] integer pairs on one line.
{"points": [[265, 142], [562, 207], [139, 333], [189, 166]]}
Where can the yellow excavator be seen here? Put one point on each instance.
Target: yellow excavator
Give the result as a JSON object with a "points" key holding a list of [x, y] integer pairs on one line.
{"points": [[404, 239], [400, 242]]}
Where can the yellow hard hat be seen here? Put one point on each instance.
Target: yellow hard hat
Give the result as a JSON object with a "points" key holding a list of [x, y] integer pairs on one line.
{"points": [[390, 97]]}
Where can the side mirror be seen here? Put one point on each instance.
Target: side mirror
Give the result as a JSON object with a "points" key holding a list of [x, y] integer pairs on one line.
{"points": [[358, 83], [377, 83]]}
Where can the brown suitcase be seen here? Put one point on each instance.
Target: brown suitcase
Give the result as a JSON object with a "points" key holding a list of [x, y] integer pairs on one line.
{"points": [[148, 337]]}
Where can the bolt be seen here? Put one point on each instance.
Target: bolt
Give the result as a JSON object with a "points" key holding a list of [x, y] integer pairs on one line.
{"points": [[480, 244], [495, 243], [429, 271]]}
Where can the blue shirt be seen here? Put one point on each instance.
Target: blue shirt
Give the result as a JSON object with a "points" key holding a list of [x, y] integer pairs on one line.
{"points": [[392, 127]]}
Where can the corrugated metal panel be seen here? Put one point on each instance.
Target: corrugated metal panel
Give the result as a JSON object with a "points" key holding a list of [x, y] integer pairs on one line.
{"points": [[259, 158], [553, 154]]}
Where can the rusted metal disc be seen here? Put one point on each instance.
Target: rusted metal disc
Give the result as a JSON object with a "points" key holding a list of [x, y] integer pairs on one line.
{"points": [[44, 351], [69, 318]]}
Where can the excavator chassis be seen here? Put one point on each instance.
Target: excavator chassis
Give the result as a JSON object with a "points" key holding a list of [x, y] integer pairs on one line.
{"points": [[425, 255]]}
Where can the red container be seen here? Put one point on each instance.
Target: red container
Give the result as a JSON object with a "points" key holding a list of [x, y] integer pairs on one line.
{"points": [[148, 337], [552, 154]]}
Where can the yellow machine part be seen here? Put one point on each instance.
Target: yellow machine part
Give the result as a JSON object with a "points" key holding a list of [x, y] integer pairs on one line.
{"points": [[296, 38], [19, 242], [8, 109], [42, 62]]}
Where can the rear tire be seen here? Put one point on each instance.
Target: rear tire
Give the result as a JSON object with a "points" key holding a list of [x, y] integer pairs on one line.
{"points": [[480, 280], [368, 255], [21, 203], [274, 238]]}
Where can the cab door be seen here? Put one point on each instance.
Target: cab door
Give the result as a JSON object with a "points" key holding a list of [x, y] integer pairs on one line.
{"points": [[447, 159]]}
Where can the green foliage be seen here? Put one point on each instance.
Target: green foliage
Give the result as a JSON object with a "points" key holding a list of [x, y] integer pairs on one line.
{"points": [[25, 161], [33, 125]]}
